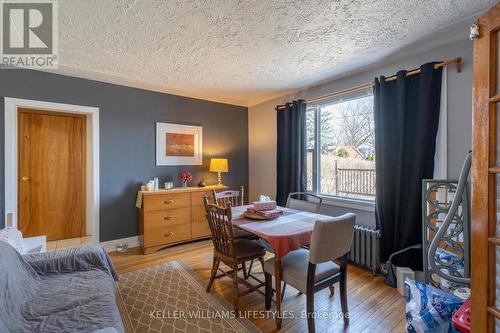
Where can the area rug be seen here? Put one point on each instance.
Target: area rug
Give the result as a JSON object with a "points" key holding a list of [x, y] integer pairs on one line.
{"points": [[172, 298]]}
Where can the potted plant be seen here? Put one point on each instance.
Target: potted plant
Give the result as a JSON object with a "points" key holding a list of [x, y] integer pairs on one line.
{"points": [[185, 177]]}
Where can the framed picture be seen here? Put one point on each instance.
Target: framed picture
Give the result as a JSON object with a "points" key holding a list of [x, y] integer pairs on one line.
{"points": [[178, 144]]}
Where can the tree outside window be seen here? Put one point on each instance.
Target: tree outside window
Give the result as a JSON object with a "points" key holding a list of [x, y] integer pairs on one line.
{"points": [[341, 148]]}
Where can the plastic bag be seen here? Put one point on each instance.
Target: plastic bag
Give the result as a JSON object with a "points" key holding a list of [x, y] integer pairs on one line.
{"points": [[429, 309]]}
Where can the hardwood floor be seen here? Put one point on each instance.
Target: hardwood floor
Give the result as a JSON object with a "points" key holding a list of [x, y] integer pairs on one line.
{"points": [[373, 307], [68, 243]]}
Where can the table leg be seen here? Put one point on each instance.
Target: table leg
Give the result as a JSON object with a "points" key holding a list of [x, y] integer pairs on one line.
{"points": [[277, 287]]}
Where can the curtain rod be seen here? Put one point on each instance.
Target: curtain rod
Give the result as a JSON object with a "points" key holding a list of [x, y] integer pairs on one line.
{"points": [[455, 61]]}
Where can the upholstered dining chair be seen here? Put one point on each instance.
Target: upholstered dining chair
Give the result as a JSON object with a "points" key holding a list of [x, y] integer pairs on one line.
{"points": [[232, 252], [325, 264], [304, 201]]}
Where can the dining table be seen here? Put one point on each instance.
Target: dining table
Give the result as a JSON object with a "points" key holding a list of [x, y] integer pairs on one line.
{"points": [[290, 231]]}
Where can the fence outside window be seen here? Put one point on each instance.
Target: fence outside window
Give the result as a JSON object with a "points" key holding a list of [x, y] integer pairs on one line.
{"points": [[355, 182]]}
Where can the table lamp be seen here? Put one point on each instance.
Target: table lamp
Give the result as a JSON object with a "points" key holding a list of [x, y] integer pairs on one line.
{"points": [[218, 165]]}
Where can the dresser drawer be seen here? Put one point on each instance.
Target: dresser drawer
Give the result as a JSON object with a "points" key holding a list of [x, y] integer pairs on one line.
{"points": [[167, 235], [199, 224], [166, 201], [166, 217], [173, 217], [197, 198]]}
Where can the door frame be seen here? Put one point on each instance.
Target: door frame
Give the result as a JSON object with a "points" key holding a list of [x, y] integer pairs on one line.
{"points": [[92, 158], [485, 170]]}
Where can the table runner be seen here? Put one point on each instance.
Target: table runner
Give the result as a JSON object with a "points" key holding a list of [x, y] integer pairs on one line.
{"points": [[286, 233]]}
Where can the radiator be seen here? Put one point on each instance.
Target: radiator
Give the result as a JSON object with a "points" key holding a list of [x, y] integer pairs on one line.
{"points": [[365, 248]]}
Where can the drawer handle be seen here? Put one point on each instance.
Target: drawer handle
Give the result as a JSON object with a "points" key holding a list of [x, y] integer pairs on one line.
{"points": [[168, 234], [168, 218], [167, 202]]}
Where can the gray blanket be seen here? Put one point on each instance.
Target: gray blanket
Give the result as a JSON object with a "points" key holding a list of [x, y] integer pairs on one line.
{"points": [[65, 291]]}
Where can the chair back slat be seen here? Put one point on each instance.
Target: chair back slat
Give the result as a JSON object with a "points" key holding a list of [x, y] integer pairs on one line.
{"points": [[304, 201], [221, 227], [331, 238], [232, 197]]}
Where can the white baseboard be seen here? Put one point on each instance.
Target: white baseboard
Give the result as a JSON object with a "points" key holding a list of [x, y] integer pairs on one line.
{"points": [[110, 245]]}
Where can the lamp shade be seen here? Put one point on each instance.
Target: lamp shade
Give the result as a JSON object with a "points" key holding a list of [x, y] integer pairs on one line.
{"points": [[218, 165]]}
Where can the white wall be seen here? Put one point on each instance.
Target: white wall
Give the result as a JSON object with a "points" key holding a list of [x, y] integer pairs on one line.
{"points": [[262, 118]]}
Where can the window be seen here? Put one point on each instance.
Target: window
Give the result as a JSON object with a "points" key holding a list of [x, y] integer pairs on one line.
{"points": [[341, 147]]}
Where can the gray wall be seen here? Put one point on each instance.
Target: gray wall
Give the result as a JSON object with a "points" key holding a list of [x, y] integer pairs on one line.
{"points": [[127, 137], [262, 118]]}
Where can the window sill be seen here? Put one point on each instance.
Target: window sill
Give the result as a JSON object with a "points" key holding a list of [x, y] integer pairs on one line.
{"points": [[349, 203]]}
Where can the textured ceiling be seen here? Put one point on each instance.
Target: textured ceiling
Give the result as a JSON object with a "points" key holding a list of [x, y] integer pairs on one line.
{"points": [[241, 52]]}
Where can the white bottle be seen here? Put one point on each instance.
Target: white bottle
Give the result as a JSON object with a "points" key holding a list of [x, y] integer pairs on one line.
{"points": [[156, 184]]}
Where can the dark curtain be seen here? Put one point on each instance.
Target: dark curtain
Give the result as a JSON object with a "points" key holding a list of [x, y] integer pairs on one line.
{"points": [[406, 125], [291, 152]]}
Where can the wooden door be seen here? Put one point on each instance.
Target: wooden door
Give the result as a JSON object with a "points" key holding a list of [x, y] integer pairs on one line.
{"points": [[51, 184], [485, 227]]}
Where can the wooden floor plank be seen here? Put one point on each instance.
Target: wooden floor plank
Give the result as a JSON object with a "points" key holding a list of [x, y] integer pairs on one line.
{"points": [[373, 306]]}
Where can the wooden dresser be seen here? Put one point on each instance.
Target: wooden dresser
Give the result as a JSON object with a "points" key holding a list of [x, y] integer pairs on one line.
{"points": [[169, 217]]}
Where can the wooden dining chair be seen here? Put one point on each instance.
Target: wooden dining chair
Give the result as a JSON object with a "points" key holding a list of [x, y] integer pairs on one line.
{"points": [[232, 252], [236, 198], [325, 264], [304, 201]]}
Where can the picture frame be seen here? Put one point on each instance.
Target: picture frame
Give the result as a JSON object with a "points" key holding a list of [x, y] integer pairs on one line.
{"points": [[178, 144]]}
